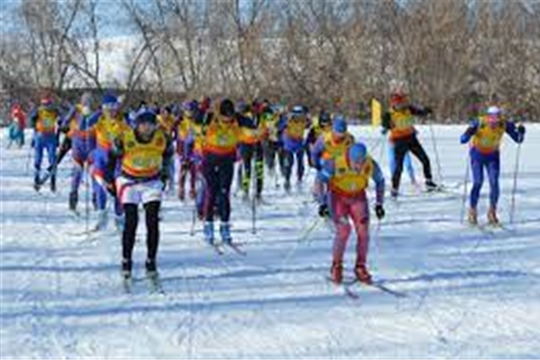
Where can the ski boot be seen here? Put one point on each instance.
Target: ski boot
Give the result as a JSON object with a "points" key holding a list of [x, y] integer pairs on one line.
{"points": [[37, 183], [53, 183], [209, 232], [394, 194], [151, 268], [258, 198], [225, 232], [94, 201], [473, 216], [119, 223], [336, 272], [126, 268], [102, 220], [362, 274], [287, 186], [492, 217], [431, 186], [181, 194], [73, 199]]}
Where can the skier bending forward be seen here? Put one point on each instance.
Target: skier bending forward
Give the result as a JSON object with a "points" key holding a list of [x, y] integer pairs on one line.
{"points": [[346, 177]]}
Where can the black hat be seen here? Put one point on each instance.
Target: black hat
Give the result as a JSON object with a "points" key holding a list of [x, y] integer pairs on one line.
{"points": [[324, 118], [146, 117], [226, 108]]}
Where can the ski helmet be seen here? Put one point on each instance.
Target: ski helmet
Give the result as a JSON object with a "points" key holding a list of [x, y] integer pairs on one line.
{"points": [[109, 99], [146, 117], [339, 124], [398, 98], [357, 153]]}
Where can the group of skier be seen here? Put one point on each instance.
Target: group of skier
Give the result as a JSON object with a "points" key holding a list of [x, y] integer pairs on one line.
{"points": [[130, 154]]}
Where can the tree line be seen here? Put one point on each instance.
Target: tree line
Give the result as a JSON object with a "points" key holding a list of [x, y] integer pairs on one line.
{"points": [[332, 53]]}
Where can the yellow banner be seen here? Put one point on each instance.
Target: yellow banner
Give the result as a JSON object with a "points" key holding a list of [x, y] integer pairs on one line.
{"points": [[375, 113]]}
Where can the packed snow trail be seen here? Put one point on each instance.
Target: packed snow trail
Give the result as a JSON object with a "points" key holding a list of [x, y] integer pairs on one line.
{"points": [[470, 292]]}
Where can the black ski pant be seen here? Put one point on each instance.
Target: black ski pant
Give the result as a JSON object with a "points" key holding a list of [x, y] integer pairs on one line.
{"points": [[401, 147], [271, 149], [286, 160], [218, 174], [248, 153], [152, 229]]}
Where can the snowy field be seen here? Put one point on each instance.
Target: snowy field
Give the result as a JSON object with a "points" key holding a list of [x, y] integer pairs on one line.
{"points": [[469, 292]]}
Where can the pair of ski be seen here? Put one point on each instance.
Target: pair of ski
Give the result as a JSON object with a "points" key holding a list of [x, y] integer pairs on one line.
{"points": [[489, 228], [153, 281], [219, 248], [349, 286]]}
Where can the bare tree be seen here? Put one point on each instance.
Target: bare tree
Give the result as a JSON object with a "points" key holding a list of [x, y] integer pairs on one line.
{"points": [[330, 53]]}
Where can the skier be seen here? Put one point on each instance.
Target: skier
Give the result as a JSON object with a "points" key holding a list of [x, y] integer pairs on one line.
{"points": [[251, 151], [221, 138], [186, 157], [83, 143], [407, 162], [44, 121], [17, 126], [144, 154], [400, 122], [110, 124], [321, 127], [486, 133], [332, 144], [167, 122], [271, 144], [347, 176], [292, 131], [66, 128]]}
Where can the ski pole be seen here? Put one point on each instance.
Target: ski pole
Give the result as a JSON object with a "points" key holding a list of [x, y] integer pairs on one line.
{"points": [[439, 170], [300, 240], [381, 154], [193, 220], [514, 187], [465, 183], [29, 157], [310, 229], [254, 208]]}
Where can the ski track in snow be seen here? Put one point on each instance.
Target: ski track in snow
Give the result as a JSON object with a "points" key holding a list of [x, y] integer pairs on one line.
{"points": [[470, 292]]}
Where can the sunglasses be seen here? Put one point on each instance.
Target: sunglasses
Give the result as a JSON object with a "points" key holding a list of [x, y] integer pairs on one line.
{"points": [[110, 106]]}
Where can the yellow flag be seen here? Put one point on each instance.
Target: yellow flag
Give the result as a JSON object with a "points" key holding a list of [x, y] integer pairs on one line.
{"points": [[375, 113]]}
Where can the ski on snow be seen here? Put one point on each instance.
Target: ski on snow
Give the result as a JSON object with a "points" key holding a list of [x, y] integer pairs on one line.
{"points": [[153, 282], [219, 248], [490, 229], [349, 285]]}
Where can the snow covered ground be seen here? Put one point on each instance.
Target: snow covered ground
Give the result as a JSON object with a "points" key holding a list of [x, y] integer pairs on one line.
{"points": [[470, 293]]}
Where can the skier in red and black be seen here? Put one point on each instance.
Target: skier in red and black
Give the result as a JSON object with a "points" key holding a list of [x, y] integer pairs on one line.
{"points": [[400, 121]]}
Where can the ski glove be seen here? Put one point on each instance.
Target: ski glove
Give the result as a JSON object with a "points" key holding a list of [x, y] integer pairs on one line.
{"points": [[111, 188], [164, 177], [324, 211], [379, 211], [521, 133]]}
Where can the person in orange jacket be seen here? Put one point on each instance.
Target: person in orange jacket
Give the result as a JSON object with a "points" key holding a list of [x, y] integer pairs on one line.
{"points": [[400, 122]]}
